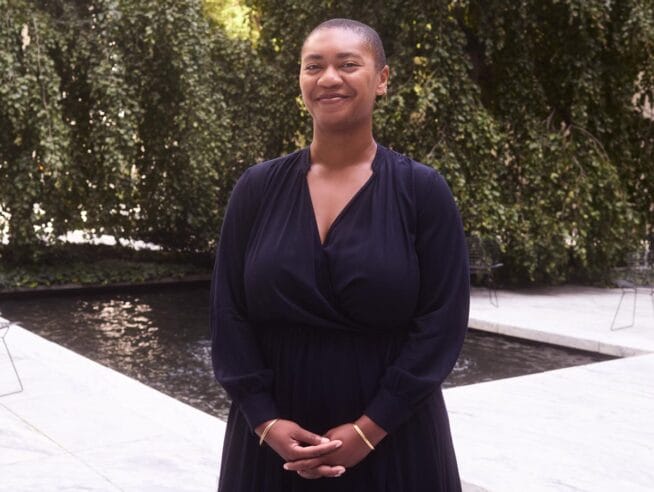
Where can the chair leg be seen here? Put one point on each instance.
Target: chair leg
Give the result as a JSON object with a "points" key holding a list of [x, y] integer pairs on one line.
{"points": [[490, 293], [633, 312], [492, 290], [15, 371]]}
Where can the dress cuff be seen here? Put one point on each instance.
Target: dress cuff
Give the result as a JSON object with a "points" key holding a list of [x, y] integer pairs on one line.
{"points": [[387, 410], [258, 408]]}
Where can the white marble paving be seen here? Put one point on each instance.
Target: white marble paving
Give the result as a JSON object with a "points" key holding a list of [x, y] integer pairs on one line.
{"points": [[156, 464], [585, 428], [57, 473], [80, 426], [73, 421], [20, 441]]}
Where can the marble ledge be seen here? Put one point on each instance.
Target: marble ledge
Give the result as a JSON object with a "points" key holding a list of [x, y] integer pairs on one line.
{"points": [[553, 338]]}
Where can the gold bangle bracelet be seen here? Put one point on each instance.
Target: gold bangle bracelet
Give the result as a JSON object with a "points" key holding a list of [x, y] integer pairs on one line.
{"points": [[363, 436], [265, 431]]}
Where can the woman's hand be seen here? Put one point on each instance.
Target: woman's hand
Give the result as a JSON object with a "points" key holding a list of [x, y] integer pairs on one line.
{"points": [[294, 443], [353, 450]]}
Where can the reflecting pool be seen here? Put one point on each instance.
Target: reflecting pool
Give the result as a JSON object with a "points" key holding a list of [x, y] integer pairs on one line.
{"points": [[161, 338]]}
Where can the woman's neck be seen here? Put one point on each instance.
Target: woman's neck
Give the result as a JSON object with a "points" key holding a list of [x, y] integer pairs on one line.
{"points": [[340, 150]]}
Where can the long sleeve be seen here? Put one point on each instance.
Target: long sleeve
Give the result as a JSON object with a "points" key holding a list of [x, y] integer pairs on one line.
{"points": [[235, 354], [439, 325]]}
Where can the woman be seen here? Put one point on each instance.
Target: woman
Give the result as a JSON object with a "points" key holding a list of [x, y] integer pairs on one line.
{"points": [[339, 298]]}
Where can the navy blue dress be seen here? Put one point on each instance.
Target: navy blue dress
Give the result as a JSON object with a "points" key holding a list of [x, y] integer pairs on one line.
{"points": [[372, 321]]}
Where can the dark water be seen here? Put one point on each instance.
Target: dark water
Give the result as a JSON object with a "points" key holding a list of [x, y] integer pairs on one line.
{"points": [[161, 338]]}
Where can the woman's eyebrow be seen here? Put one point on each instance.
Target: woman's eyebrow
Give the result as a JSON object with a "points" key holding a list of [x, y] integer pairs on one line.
{"points": [[345, 54]]}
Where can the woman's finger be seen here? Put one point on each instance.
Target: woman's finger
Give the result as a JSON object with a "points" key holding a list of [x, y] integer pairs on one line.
{"points": [[302, 464], [308, 437], [322, 471], [306, 452], [309, 474]]}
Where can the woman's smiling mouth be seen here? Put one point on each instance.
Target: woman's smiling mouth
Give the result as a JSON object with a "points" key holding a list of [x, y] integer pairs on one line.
{"points": [[331, 98]]}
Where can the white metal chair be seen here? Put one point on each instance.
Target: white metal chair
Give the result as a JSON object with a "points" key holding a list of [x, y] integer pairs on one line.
{"points": [[4, 329], [484, 254], [638, 273]]}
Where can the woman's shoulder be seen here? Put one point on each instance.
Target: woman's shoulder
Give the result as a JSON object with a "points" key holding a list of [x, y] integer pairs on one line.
{"points": [[257, 177], [431, 196], [420, 176], [276, 164], [261, 173]]}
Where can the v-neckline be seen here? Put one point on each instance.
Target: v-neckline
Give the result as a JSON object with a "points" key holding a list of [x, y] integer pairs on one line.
{"points": [[316, 229]]}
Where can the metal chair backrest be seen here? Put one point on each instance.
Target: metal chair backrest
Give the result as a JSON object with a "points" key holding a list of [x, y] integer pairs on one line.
{"points": [[475, 251], [637, 269], [483, 254]]}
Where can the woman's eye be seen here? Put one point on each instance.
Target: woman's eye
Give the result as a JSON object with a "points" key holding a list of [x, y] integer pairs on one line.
{"points": [[311, 67], [350, 65]]}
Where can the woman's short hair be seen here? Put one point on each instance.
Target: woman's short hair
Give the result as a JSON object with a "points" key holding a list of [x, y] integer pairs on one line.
{"points": [[369, 35]]}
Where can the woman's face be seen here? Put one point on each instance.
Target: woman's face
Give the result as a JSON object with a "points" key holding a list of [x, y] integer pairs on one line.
{"points": [[338, 79]]}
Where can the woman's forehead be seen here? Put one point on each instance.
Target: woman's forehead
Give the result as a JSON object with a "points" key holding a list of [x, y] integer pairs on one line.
{"points": [[334, 41]]}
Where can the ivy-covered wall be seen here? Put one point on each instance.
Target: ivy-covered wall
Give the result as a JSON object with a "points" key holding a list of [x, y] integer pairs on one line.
{"points": [[134, 118]]}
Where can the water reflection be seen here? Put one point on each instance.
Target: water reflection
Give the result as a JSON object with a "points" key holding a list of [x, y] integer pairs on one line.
{"points": [[161, 338], [488, 356]]}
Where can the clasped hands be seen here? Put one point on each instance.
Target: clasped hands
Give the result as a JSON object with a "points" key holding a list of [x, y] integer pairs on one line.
{"points": [[314, 456]]}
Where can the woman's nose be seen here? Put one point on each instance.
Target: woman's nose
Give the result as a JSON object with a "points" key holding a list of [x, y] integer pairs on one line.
{"points": [[330, 77]]}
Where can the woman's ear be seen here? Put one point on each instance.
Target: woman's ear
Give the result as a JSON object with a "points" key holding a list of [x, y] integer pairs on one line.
{"points": [[382, 86]]}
